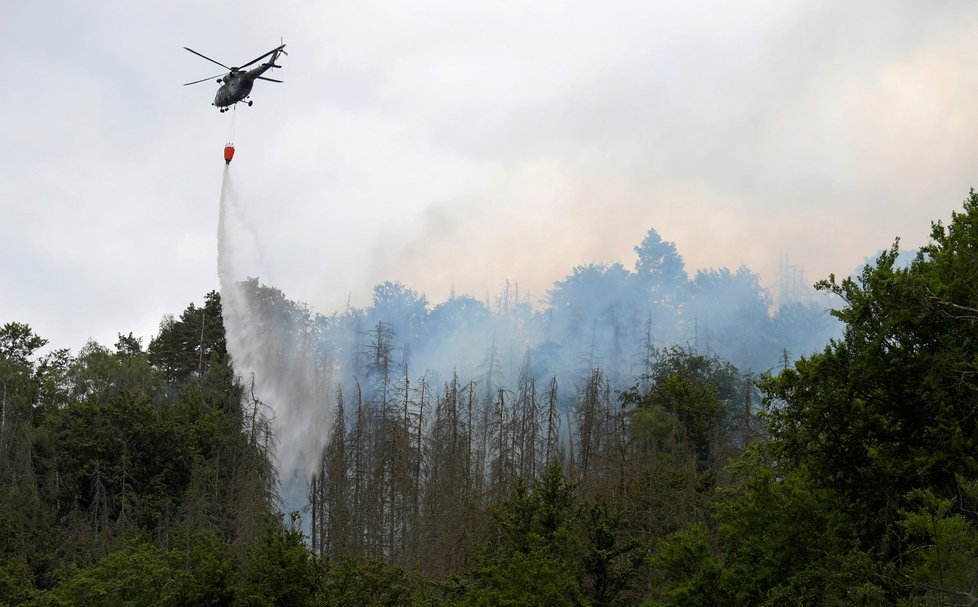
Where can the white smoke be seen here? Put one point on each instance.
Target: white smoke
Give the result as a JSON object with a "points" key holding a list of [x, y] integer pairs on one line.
{"points": [[606, 317]]}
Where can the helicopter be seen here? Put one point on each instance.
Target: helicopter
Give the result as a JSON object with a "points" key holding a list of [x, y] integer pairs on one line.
{"points": [[237, 83]]}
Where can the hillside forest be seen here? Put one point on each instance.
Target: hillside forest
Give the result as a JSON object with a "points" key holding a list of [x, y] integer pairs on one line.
{"points": [[646, 438]]}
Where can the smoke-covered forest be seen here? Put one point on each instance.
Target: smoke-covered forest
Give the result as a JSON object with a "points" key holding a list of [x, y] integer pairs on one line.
{"points": [[601, 323], [642, 437]]}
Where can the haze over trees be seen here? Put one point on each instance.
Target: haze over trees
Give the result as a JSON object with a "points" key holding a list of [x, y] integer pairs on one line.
{"points": [[646, 438], [599, 317]]}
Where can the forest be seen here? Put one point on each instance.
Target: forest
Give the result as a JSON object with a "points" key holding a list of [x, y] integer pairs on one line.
{"points": [[645, 439]]}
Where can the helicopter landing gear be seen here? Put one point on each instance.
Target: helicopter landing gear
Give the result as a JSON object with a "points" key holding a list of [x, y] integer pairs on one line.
{"points": [[249, 103]]}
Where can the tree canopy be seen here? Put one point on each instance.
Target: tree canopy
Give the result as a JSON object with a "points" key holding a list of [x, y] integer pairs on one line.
{"points": [[603, 469]]}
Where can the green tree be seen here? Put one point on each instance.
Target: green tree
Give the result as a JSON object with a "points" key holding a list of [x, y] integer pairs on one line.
{"points": [[660, 268], [32, 387], [16, 581], [139, 574], [889, 408], [773, 541], [689, 570], [188, 346], [371, 583], [611, 557], [210, 569], [857, 497], [534, 556], [941, 559], [120, 456], [682, 432], [278, 571], [701, 393]]}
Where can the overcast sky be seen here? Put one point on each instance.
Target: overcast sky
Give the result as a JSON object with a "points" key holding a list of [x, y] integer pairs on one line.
{"points": [[458, 144]]}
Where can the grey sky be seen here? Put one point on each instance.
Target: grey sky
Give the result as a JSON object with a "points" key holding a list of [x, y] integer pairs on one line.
{"points": [[460, 144]]}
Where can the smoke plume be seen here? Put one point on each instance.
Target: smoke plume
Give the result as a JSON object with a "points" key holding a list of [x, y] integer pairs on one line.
{"points": [[296, 362]]}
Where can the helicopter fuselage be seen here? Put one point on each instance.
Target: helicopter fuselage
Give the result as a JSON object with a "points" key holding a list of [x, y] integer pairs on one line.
{"points": [[235, 89], [237, 83]]}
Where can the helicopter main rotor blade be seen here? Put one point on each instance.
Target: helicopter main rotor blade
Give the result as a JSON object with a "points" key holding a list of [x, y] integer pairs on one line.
{"points": [[269, 79], [203, 79], [260, 58], [208, 58]]}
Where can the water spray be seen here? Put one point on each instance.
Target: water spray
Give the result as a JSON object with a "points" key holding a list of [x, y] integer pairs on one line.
{"points": [[269, 353]]}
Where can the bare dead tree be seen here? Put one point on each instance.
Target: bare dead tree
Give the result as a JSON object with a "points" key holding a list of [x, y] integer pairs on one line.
{"points": [[334, 532], [551, 446]]}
